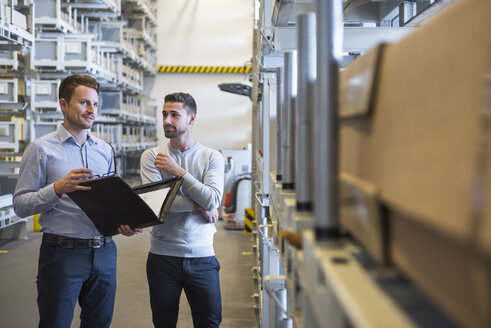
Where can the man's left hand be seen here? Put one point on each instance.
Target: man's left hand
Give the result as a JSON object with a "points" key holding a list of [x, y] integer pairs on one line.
{"points": [[128, 231], [210, 216]]}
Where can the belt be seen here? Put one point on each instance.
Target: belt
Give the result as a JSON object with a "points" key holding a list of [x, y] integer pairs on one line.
{"points": [[67, 242]]}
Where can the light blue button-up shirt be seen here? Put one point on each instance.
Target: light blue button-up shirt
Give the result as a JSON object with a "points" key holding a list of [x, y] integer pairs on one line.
{"points": [[47, 160]]}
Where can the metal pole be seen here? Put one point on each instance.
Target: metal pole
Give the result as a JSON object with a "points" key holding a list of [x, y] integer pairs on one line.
{"points": [[286, 323], [329, 47], [304, 149], [280, 307], [288, 120], [279, 108]]}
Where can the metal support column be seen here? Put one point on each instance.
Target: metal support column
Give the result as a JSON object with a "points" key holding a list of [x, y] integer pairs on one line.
{"points": [[288, 121], [330, 26], [304, 149]]}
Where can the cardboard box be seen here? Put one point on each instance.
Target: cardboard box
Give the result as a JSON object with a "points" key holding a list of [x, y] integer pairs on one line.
{"points": [[420, 145], [484, 226], [453, 275], [426, 149], [361, 215]]}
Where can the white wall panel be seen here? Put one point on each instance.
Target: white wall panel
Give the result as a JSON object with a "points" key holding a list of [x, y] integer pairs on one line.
{"points": [[210, 33]]}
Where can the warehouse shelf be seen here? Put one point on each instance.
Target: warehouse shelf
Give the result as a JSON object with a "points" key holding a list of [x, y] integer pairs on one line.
{"points": [[96, 8], [9, 137], [16, 28], [39, 129], [143, 29], [50, 17], [129, 77], [11, 226], [112, 37], [75, 37], [141, 6], [147, 107], [115, 37], [336, 267], [11, 61], [44, 95], [125, 137], [12, 90]]}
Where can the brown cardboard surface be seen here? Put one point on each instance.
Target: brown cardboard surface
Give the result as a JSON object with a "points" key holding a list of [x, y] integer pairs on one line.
{"points": [[456, 278], [419, 147], [484, 224], [427, 121], [360, 214], [357, 84], [426, 150]]}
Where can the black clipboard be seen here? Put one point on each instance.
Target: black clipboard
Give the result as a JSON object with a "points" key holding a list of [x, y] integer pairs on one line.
{"points": [[112, 202]]}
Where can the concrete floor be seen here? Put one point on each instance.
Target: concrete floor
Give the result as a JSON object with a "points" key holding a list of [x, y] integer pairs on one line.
{"points": [[18, 269]]}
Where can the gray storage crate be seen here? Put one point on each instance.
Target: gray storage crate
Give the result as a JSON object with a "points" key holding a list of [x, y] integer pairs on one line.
{"points": [[39, 129], [145, 28], [111, 133], [51, 18], [9, 136], [10, 89], [11, 60], [44, 95], [75, 54], [128, 76], [111, 102], [131, 104], [148, 109]]}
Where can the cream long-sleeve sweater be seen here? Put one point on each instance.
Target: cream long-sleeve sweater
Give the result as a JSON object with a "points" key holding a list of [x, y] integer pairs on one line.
{"points": [[186, 233]]}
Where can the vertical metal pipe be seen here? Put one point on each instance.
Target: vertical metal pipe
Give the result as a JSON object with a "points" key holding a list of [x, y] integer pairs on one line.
{"points": [[304, 149], [329, 47], [286, 323], [279, 105], [288, 120], [281, 306]]}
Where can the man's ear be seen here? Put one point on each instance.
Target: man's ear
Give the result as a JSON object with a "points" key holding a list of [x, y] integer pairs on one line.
{"points": [[63, 104], [192, 117]]}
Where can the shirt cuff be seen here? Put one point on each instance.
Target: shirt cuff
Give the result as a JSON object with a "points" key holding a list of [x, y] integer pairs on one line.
{"points": [[189, 180], [48, 193]]}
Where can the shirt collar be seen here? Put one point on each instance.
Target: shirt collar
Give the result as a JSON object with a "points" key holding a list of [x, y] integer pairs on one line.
{"points": [[64, 135], [189, 150]]}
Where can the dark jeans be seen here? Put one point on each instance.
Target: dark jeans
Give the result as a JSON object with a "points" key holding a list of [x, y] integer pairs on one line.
{"points": [[168, 275], [68, 274]]}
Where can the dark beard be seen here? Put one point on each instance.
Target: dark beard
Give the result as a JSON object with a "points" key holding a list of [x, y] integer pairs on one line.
{"points": [[172, 133]]}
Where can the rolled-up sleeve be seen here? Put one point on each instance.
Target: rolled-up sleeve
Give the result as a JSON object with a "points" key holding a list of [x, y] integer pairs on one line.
{"points": [[32, 194]]}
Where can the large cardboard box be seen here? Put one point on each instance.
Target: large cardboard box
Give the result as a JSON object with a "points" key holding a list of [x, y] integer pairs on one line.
{"points": [[425, 147], [454, 276], [484, 225], [420, 146], [429, 117]]}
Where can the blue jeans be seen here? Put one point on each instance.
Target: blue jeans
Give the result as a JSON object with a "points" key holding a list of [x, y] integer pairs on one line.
{"points": [[168, 275], [68, 274]]}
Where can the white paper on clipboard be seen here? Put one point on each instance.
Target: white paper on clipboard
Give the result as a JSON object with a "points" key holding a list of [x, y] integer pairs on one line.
{"points": [[155, 199]]}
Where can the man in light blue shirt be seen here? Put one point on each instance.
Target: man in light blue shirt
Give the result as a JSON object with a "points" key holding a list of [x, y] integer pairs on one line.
{"points": [[75, 261]]}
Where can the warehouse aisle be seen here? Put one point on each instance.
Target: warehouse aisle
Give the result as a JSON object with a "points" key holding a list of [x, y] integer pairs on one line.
{"points": [[18, 261]]}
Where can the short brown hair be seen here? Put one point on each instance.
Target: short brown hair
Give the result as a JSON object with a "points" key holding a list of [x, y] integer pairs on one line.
{"points": [[184, 98], [70, 83]]}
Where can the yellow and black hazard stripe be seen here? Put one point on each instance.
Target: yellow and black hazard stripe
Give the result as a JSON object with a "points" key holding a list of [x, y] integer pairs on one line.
{"points": [[249, 217], [205, 69]]}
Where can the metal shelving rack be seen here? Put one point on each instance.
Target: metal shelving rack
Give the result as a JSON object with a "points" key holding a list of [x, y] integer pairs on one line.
{"points": [[43, 41], [16, 41], [92, 37]]}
